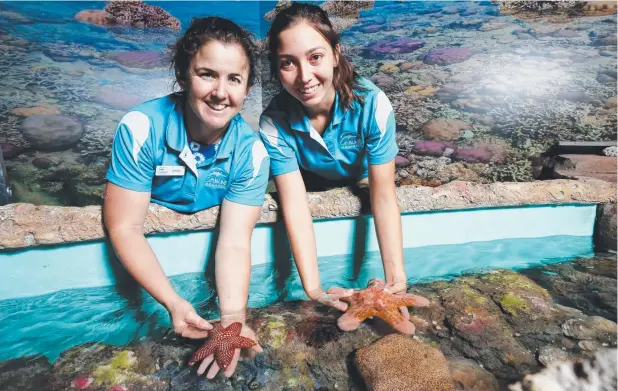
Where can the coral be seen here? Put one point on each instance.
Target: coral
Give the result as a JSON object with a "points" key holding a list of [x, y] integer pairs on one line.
{"points": [[382, 80], [139, 14], [396, 362], [24, 193], [389, 68], [541, 7], [446, 56], [547, 122], [432, 148], [281, 5], [346, 8], [446, 129], [142, 59], [395, 46], [474, 155]]}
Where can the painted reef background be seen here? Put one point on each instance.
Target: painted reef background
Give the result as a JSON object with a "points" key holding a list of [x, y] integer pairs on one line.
{"points": [[480, 89]]}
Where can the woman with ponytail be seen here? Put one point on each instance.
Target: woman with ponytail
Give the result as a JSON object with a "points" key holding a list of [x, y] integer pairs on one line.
{"points": [[327, 128]]}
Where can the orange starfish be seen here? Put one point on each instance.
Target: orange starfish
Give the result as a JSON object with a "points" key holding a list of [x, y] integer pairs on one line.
{"points": [[374, 301], [222, 342]]}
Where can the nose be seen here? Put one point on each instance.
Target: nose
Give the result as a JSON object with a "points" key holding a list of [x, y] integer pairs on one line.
{"points": [[218, 91], [304, 73]]}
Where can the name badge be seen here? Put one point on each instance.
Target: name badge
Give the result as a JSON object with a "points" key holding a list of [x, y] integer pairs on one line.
{"points": [[170, 171]]}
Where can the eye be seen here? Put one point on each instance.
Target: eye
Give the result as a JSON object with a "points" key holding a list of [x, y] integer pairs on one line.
{"points": [[235, 80], [316, 57], [285, 64], [206, 75]]}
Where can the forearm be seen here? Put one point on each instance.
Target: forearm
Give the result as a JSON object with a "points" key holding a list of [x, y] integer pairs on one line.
{"points": [[387, 220], [233, 274], [138, 258], [299, 226]]}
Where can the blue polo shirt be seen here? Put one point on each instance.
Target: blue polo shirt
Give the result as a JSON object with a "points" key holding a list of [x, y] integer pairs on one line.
{"points": [[356, 137], [151, 153]]}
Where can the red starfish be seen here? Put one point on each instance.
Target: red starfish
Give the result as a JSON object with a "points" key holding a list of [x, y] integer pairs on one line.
{"points": [[222, 342], [374, 301]]}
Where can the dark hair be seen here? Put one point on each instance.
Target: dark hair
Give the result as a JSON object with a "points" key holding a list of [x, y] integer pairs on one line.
{"points": [[203, 30], [345, 79]]}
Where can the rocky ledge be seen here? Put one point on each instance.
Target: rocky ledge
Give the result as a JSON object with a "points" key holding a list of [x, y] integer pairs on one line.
{"points": [[24, 225]]}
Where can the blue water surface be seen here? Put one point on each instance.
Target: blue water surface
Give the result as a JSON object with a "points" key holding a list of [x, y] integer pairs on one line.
{"points": [[50, 324]]}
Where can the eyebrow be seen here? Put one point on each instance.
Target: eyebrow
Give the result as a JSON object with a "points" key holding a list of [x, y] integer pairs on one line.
{"points": [[306, 53], [202, 69]]}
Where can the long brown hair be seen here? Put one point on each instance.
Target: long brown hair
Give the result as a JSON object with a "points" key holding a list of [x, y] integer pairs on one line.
{"points": [[345, 79]]}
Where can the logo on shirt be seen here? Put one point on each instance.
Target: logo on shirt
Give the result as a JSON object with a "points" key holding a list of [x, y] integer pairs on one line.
{"points": [[216, 178], [349, 140]]}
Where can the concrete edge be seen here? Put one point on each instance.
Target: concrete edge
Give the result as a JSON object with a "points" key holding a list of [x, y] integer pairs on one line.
{"points": [[27, 225]]}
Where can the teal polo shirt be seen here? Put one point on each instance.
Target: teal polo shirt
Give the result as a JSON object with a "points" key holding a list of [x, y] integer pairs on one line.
{"points": [[151, 153], [356, 137]]}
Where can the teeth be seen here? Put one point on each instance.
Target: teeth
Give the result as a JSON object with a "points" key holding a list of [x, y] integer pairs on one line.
{"points": [[216, 107], [309, 90]]}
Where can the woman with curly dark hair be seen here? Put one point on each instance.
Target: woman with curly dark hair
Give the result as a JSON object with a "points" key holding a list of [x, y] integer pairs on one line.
{"points": [[190, 151]]}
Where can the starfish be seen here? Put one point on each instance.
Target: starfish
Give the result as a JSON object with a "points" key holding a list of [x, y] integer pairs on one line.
{"points": [[222, 341], [374, 301]]}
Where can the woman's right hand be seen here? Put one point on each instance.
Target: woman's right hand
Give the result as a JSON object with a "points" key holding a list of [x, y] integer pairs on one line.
{"points": [[186, 321], [331, 297]]}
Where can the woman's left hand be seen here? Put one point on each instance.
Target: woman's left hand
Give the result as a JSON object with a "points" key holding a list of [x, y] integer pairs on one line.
{"points": [[398, 287], [229, 371]]}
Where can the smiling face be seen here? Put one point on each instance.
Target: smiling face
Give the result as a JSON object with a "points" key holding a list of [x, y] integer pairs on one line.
{"points": [[217, 84], [306, 63]]}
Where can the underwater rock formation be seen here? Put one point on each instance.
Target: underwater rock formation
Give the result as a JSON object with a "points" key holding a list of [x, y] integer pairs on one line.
{"points": [[470, 376], [10, 150], [98, 17], [51, 132], [134, 13]]}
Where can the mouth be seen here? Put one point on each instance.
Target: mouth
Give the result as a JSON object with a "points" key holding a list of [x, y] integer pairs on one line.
{"points": [[217, 107], [309, 90]]}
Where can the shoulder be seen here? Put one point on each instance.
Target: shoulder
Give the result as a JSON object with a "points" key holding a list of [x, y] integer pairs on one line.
{"points": [[370, 92], [280, 108], [247, 139], [149, 117]]}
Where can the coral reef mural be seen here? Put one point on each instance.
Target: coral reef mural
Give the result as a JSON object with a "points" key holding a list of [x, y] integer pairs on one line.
{"points": [[481, 90]]}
